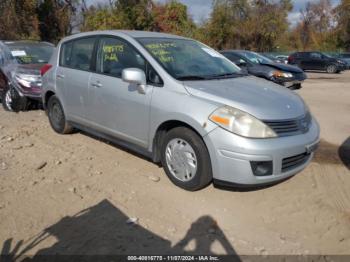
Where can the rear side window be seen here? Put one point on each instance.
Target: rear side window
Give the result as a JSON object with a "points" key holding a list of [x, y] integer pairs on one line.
{"points": [[232, 57], [78, 53], [315, 55], [114, 55]]}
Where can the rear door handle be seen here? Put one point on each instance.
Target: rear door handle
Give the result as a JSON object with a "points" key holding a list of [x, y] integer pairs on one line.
{"points": [[60, 76], [96, 85]]}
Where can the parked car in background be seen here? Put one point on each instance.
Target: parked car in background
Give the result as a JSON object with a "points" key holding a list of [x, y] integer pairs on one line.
{"points": [[317, 61], [276, 58], [282, 58], [346, 58], [20, 79], [6, 60], [180, 103], [261, 66]]}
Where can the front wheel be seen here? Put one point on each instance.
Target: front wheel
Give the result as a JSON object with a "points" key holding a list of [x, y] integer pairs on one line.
{"points": [[185, 159], [57, 117], [331, 69]]}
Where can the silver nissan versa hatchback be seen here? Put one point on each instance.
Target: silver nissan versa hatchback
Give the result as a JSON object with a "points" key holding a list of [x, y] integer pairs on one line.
{"points": [[180, 103]]}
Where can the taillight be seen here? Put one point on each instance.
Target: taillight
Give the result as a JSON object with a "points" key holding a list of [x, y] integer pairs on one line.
{"points": [[290, 59], [45, 68]]}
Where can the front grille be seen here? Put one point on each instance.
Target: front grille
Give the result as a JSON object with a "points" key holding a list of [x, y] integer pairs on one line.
{"points": [[294, 161], [299, 76], [290, 127]]}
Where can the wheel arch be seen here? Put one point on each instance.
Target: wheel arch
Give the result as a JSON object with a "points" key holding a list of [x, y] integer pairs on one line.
{"points": [[3, 81], [47, 96], [166, 126]]}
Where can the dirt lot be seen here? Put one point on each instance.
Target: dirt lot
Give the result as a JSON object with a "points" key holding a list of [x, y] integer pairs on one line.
{"points": [[74, 194]]}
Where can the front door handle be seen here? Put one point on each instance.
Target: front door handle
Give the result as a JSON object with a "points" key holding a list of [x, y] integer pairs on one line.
{"points": [[60, 76], [96, 85]]}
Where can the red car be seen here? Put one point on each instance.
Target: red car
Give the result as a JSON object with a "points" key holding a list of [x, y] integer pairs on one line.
{"points": [[20, 73]]}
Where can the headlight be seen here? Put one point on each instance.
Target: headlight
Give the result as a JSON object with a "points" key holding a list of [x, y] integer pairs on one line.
{"points": [[241, 123], [282, 74]]}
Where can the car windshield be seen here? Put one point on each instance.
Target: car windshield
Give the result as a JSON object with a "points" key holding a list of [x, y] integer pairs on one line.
{"points": [[31, 53], [256, 58], [329, 55], [186, 59]]}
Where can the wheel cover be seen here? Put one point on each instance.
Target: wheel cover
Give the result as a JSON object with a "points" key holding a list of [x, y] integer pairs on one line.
{"points": [[331, 68], [56, 114], [181, 159], [8, 99]]}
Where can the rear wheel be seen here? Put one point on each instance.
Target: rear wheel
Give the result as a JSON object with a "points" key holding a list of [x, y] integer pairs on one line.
{"points": [[331, 69], [57, 117], [12, 101], [185, 159]]}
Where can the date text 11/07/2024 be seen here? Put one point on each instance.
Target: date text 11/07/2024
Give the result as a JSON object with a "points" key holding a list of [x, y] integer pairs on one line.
{"points": [[173, 258]]}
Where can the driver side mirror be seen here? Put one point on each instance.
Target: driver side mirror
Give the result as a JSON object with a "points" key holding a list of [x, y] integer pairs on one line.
{"points": [[135, 76], [241, 63]]}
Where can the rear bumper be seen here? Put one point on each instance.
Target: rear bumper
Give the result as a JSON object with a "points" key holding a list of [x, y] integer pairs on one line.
{"points": [[34, 94], [231, 155]]}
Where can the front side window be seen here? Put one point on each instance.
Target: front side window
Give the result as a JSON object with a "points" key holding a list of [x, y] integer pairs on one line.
{"points": [[316, 55], [78, 53], [255, 58], [114, 55], [187, 59], [31, 53]]}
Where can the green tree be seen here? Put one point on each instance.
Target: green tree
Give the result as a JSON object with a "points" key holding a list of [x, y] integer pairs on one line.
{"points": [[257, 24], [55, 17], [18, 19], [136, 14], [173, 17], [343, 24], [100, 18]]}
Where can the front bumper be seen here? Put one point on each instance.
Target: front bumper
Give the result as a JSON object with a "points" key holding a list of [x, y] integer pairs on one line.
{"points": [[342, 67], [290, 82], [231, 155]]}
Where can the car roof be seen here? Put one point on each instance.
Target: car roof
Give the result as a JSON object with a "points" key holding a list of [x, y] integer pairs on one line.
{"points": [[131, 33], [26, 42], [236, 51]]}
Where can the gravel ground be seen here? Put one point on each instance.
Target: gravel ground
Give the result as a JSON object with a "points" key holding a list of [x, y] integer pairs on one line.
{"points": [[75, 194]]}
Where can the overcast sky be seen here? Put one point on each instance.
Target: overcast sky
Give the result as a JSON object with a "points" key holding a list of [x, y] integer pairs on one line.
{"points": [[200, 9]]}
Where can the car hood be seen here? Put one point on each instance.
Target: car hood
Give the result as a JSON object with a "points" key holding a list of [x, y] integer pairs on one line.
{"points": [[284, 67], [258, 97]]}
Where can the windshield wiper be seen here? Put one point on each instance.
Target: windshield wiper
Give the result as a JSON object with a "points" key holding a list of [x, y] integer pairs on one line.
{"points": [[191, 77], [227, 75]]}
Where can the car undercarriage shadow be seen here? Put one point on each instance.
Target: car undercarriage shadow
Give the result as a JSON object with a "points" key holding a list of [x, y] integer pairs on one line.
{"points": [[329, 153], [102, 231]]}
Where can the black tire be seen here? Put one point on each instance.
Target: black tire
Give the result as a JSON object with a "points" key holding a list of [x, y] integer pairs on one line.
{"points": [[17, 103], [331, 69], [203, 175], [57, 117]]}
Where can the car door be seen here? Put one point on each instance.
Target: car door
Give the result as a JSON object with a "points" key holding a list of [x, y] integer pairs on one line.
{"points": [[315, 61], [116, 107], [73, 74]]}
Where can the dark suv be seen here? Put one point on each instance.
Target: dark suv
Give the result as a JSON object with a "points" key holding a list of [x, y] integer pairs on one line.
{"points": [[317, 61], [21, 63]]}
